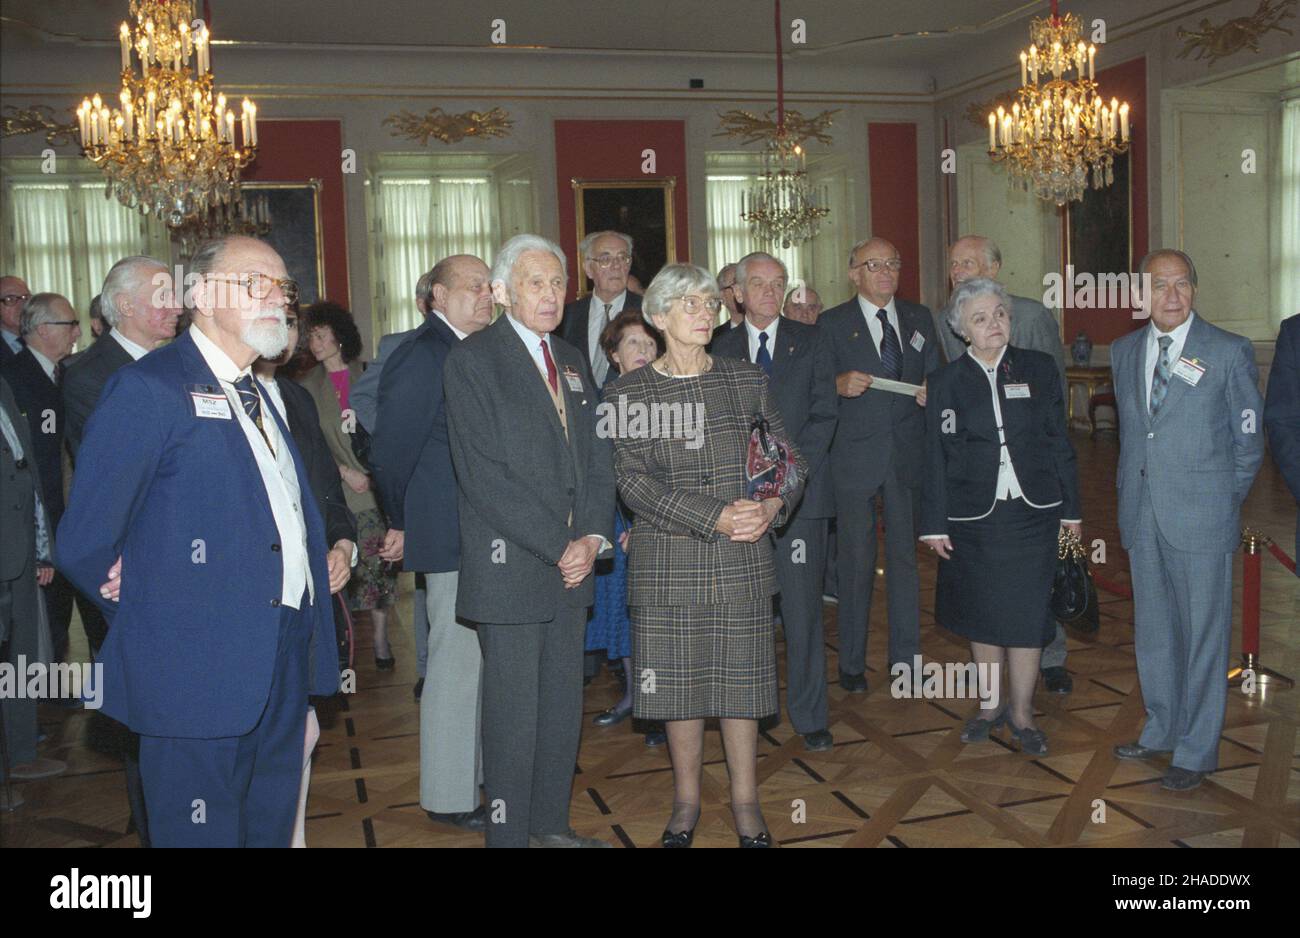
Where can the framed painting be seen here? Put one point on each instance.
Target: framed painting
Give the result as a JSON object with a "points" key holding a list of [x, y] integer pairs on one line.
{"points": [[642, 208], [1099, 229], [291, 217]]}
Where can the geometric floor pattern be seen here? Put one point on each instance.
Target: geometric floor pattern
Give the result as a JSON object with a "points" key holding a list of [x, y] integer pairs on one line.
{"points": [[898, 776]]}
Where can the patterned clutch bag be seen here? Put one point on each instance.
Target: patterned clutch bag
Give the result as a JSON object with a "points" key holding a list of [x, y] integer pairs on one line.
{"points": [[770, 469]]}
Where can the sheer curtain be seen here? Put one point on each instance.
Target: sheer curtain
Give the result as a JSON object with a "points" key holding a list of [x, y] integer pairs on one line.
{"points": [[1287, 263], [422, 220], [66, 236], [729, 237]]}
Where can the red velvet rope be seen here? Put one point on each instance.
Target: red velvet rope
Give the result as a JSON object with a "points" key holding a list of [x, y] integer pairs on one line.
{"points": [[1281, 556]]}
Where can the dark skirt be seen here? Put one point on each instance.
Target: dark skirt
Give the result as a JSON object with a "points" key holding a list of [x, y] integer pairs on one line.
{"points": [[997, 587], [609, 629], [691, 662]]}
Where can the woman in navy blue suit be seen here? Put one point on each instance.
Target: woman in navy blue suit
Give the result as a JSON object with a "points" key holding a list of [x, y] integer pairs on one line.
{"points": [[1000, 481]]}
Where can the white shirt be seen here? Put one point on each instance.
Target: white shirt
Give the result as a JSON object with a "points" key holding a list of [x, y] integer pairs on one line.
{"points": [[597, 320], [770, 332], [1179, 335], [873, 323], [446, 322], [137, 352], [278, 475], [533, 342], [46, 365], [12, 340]]}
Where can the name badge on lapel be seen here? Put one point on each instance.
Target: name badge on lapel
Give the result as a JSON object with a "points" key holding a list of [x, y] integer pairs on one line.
{"points": [[1191, 370], [573, 380], [917, 340], [1014, 391], [209, 402]]}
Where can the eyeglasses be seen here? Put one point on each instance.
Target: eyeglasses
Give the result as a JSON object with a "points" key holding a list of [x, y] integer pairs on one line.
{"points": [[260, 286], [874, 264], [693, 304], [10, 298], [61, 322], [606, 261]]}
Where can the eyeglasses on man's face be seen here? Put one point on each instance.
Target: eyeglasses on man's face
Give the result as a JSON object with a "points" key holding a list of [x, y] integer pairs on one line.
{"points": [[260, 286], [606, 261], [692, 304], [9, 299], [875, 264]]}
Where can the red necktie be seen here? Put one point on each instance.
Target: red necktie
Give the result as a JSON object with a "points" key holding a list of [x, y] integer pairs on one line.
{"points": [[552, 376]]}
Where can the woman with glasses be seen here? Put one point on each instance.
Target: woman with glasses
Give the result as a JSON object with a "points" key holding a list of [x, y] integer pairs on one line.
{"points": [[335, 343], [700, 568]]}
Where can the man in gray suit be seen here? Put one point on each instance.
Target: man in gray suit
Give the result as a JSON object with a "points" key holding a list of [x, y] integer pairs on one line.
{"points": [[878, 450], [1033, 327], [801, 373], [1191, 441], [536, 506], [364, 398], [25, 552]]}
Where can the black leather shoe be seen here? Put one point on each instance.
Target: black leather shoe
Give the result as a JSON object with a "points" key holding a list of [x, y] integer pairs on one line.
{"points": [[1057, 681], [612, 716], [679, 840], [656, 738], [762, 840], [419, 688], [475, 820], [1032, 740], [853, 683], [818, 741], [1137, 751], [1179, 779]]}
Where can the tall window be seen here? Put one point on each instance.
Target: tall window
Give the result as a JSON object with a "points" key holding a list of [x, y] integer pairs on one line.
{"points": [[1288, 242], [64, 236], [421, 220]]}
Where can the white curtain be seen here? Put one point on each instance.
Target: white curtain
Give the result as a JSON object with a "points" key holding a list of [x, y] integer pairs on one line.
{"points": [[67, 235], [729, 237], [1287, 264], [421, 221]]}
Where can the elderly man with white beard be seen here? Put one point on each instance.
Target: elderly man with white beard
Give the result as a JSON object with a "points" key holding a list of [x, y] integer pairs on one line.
{"points": [[222, 625]]}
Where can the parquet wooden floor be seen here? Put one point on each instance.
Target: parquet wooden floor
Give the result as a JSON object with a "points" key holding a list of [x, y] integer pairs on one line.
{"points": [[898, 776]]}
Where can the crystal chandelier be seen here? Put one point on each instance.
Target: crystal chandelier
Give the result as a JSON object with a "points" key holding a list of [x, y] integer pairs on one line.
{"points": [[169, 148], [242, 215], [781, 207], [1059, 131]]}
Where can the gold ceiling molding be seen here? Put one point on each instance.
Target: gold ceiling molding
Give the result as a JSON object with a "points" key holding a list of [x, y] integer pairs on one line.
{"points": [[449, 128], [30, 120], [1243, 32], [751, 128], [977, 112]]}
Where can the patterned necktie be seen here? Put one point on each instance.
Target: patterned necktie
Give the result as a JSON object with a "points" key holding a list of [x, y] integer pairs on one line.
{"points": [[252, 402], [1160, 380], [552, 376], [891, 353], [764, 357], [608, 307]]}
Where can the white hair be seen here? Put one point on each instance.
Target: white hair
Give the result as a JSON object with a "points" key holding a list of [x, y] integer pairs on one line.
{"points": [[37, 311], [672, 282], [584, 248], [742, 265], [127, 276], [969, 290], [504, 264]]}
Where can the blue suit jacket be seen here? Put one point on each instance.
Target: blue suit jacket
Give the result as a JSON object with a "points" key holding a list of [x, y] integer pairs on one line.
{"points": [[192, 644], [1282, 408], [410, 453]]}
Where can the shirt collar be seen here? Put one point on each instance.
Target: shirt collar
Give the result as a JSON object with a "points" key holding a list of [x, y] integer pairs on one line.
{"points": [[988, 368], [870, 310], [529, 337], [136, 351], [447, 323], [615, 305], [1179, 333], [770, 331], [221, 364], [45, 363], [10, 337]]}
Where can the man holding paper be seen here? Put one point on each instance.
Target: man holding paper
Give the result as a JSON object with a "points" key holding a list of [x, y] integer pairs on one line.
{"points": [[883, 348]]}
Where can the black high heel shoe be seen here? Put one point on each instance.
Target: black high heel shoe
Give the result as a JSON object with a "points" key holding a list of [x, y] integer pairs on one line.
{"points": [[762, 840], [676, 840]]}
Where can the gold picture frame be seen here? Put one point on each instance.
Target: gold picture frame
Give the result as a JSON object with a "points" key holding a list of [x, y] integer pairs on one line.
{"points": [[297, 231], [642, 208]]}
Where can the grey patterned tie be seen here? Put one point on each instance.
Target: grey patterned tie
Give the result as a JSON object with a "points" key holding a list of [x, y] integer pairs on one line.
{"points": [[1160, 380]]}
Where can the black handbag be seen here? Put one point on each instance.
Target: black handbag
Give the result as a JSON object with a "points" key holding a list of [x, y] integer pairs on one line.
{"points": [[1074, 596]]}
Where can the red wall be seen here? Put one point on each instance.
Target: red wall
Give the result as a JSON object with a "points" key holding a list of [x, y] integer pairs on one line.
{"points": [[612, 150], [1128, 82], [895, 198], [300, 150]]}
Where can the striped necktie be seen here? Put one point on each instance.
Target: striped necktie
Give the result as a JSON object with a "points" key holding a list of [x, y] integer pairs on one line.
{"points": [[252, 402], [1160, 380], [891, 353]]}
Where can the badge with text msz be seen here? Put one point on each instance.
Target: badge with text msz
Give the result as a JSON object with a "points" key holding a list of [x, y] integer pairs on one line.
{"points": [[209, 401]]}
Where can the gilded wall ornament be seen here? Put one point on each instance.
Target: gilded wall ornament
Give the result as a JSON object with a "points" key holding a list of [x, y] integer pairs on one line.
{"points": [[449, 128], [37, 118], [1219, 42]]}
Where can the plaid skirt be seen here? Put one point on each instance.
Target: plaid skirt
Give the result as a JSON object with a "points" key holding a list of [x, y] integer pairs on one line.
{"points": [[691, 662]]}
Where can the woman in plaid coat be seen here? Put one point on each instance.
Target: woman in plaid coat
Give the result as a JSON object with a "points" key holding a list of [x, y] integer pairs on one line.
{"points": [[700, 567]]}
